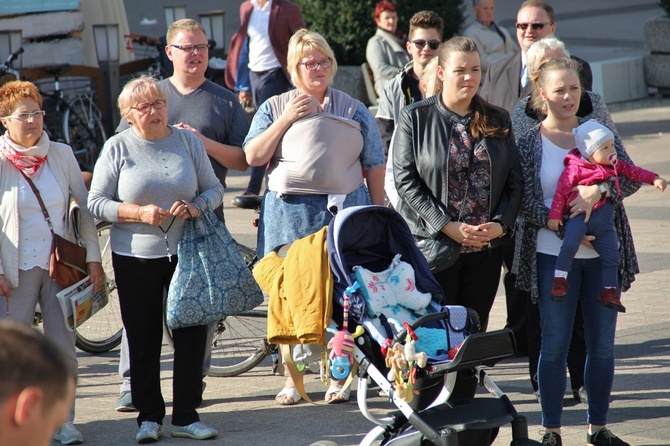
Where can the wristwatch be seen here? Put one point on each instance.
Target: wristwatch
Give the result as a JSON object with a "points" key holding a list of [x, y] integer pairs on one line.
{"points": [[504, 228], [603, 189]]}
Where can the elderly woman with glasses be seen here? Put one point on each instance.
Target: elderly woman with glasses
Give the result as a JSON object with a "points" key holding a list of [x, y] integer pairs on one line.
{"points": [[146, 182], [324, 154], [25, 243]]}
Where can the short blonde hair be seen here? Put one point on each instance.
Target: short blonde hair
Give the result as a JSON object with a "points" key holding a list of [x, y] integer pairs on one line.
{"points": [[188, 25], [15, 91], [302, 41], [139, 90]]}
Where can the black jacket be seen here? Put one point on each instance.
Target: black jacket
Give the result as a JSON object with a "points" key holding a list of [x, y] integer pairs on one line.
{"points": [[420, 155]]}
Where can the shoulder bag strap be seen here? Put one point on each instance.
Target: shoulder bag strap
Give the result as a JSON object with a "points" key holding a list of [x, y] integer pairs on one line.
{"points": [[40, 201]]}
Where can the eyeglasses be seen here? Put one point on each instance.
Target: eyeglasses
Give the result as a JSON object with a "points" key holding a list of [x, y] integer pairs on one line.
{"points": [[146, 107], [27, 116], [313, 66], [535, 26], [432, 44], [191, 48]]}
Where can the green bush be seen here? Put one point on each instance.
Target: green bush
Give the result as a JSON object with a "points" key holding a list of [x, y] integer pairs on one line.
{"points": [[665, 4], [347, 24]]}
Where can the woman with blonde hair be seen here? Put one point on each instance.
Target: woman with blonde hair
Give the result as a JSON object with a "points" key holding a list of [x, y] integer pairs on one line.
{"points": [[146, 182], [557, 93], [324, 153]]}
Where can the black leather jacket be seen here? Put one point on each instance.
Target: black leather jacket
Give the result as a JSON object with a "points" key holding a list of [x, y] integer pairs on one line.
{"points": [[420, 156]]}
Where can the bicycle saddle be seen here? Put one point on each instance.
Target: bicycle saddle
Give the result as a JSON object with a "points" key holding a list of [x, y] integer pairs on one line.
{"points": [[57, 69], [248, 201]]}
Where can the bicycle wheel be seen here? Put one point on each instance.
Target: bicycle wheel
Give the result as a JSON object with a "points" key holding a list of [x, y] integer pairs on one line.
{"points": [[102, 332], [239, 343], [83, 131]]}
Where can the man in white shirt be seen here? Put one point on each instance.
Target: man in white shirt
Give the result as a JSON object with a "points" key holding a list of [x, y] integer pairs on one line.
{"points": [[267, 26]]}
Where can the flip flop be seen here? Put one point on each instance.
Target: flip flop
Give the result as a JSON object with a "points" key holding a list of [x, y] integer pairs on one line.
{"points": [[291, 392], [335, 394]]}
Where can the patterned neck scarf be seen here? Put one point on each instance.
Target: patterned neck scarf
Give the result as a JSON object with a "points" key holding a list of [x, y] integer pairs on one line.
{"points": [[27, 159]]}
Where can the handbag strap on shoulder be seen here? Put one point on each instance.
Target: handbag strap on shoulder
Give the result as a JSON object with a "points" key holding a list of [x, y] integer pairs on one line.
{"points": [[40, 201]]}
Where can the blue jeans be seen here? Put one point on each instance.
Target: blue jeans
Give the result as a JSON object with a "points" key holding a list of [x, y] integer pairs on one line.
{"points": [[556, 319]]}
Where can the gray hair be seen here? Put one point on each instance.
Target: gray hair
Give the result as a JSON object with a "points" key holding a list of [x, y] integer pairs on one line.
{"points": [[537, 53]]}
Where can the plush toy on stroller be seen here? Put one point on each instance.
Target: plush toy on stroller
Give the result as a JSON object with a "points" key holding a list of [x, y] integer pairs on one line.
{"points": [[427, 358]]}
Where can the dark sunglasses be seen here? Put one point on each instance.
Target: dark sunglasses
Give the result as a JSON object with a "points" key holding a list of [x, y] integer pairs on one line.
{"points": [[432, 44], [535, 26]]}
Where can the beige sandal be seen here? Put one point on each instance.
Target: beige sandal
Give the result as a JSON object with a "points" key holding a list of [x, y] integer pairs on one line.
{"points": [[292, 393], [335, 394]]}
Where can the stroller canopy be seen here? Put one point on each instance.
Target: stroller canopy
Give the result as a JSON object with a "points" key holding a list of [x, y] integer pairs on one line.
{"points": [[370, 236]]}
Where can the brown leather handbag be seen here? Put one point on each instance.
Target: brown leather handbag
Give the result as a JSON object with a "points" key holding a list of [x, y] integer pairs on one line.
{"points": [[67, 265]]}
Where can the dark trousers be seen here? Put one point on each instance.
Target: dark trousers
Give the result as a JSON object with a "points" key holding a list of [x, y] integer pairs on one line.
{"points": [[140, 284], [473, 282], [516, 301], [263, 87]]}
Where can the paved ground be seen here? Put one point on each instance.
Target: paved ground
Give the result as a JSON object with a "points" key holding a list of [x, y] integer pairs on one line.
{"points": [[243, 408]]}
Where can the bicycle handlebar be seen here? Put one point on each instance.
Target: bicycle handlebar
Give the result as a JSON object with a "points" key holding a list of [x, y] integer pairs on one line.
{"points": [[6, 67]]}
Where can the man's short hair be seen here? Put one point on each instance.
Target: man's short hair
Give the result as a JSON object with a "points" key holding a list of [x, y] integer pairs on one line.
{"points": [[188, 25], [540, 4], [426, 20], [29, 359], [476, 3]]}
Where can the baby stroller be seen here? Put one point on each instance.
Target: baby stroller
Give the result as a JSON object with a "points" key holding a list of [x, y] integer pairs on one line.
{"points": [[442, 408]]}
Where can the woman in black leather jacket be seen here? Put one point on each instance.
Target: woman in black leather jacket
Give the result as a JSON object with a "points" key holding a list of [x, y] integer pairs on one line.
{"points": [[457, 173]]}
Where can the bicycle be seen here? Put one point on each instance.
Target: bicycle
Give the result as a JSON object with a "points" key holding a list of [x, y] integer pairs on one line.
{"points": [[102, 332], [75, 122]]}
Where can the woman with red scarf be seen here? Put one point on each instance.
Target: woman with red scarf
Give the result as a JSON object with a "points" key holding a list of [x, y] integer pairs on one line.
{"points": [[25, 237]]}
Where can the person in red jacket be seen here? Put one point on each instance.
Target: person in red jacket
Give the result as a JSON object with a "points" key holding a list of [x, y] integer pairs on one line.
{"points": [[593, 162], [266, 27]]}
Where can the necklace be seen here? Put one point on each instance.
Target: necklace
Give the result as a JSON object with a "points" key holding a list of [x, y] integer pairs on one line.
{"points": [[165, 233], [566, 137]]}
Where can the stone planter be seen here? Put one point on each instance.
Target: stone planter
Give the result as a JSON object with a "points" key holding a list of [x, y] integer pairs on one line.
{"points": [[349, 79], [657, 62]]}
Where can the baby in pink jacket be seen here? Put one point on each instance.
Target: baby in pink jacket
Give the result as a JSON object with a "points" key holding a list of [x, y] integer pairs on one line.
{"points": [[594, 161]]}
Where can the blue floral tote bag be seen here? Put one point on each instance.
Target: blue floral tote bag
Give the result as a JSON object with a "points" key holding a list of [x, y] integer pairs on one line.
{"points": [[211, 280]]}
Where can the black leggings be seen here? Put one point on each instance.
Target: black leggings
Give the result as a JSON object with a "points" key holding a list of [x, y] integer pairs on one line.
{"points": [[141, 284]]}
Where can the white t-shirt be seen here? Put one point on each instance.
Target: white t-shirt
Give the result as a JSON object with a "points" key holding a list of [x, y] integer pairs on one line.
{"points": [[261, 55], [550, 171]]}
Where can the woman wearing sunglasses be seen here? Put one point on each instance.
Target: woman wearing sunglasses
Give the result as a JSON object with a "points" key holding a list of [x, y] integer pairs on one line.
{"points": [[25, 245], [324, 154]]}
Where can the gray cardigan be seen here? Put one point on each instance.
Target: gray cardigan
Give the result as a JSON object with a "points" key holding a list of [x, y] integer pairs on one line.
{"points": [[135, 170], [534, 215], [386, 56]]}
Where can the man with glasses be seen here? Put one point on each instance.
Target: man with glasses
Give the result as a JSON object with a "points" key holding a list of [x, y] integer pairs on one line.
{"points": [[504, 84], [507, 81], [425, 37], [208, 110], [493, 42], [266, 27]]}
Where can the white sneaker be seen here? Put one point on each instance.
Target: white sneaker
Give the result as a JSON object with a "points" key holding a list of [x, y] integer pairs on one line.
{"points": [[149, 432], [196, 431], [68, 434]]}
